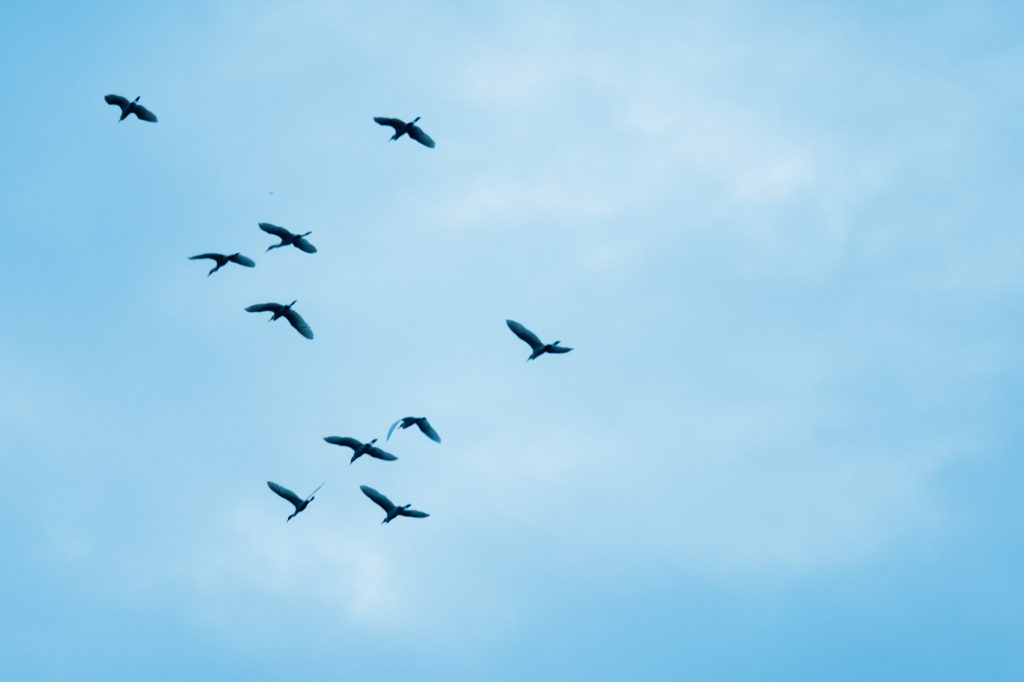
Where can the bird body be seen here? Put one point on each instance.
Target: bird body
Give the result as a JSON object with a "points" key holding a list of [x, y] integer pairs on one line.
{"points": [[297, 501], [223, 260], [538, 347], [360, 448], [286, 312], [390, 509], [288, 238], [421, 423], [128, 108], [402, 128]]}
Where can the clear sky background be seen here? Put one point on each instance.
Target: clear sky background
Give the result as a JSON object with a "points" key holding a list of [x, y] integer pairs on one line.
{"points": [[783, 238]]}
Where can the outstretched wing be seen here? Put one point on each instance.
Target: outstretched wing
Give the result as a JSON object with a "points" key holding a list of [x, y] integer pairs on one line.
{"points": [[559, 349], [393, 427], [144, 113], [417, 134], [383, 502], [384, 121], [299, 323], [414, 513], [525, 334], [270, 228], [242, 260], [264, 308], [428, 430], [345, 441], [285, 493], [211, 256], [116, 100], [303, 245], [374, 451]]}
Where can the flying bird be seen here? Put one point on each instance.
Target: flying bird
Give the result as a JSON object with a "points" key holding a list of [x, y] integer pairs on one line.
{"points": [[288, 238], [299, 503], [539, 348], [401, 128], [286, 312], [421, 422], [223, 260], [359, 448], [389, 507], [133, 107]]}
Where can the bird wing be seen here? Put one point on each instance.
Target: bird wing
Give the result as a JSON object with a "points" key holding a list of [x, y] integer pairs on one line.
{"points": [[116, 100], [346, 441], [285, 493], [559, 349], [242, 260], [264, 308], [417, 134], [393, 427], [525, 334], [299, 323], [303, 245], [414, 513], [382, 501], [393, 122], [211, 256], [428, 430], [270, 228], [144, 113], [374, 451]]}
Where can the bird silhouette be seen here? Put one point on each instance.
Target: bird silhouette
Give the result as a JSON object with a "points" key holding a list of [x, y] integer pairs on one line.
{"points": [[401, 128], [539, 347], [288, 238], [223, 260], [389, 507], [286, 312], [299, 503], [360, 448], [132, 107], [421, 422]]}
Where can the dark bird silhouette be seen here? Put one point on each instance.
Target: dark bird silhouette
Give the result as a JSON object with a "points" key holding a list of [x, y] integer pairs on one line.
{"points": [[421, 422], [389, 507], [359, 448], [401, 128], [286, 312], [133, 107], [299, 503], [539, 348], [223, 260], [288, 238]]}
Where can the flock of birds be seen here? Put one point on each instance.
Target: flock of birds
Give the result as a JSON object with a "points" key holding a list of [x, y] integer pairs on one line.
{"points": [[278, 310]]}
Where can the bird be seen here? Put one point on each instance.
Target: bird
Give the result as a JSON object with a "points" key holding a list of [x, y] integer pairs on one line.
{"points": [[539, 348], [133, 107], [359, 448], [401, 128], [389, 507], [286, 312], [299, 503], [223, 260], [288, 238], [421, 422]]}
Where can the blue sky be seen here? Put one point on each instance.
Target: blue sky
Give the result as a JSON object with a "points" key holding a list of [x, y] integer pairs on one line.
{"points": [[784, 240]]}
